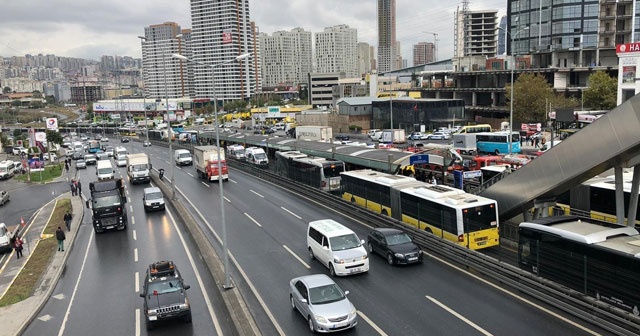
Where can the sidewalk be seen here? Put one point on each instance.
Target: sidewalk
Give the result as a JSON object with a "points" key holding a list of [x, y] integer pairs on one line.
{"points": [[15, 318]]}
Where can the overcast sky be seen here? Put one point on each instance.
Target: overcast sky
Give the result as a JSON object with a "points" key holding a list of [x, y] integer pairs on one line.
{"points": [[91, 28]]}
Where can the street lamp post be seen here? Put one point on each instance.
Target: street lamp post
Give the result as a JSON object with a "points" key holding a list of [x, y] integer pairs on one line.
{"points": [[513, 65], [227, 280], [144, 99]]}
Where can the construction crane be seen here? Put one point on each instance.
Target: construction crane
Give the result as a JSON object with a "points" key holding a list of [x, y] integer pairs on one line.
{"points": [[435, 44]]}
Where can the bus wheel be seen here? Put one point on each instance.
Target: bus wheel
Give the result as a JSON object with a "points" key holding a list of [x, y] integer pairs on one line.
{"points": [[353, 199], [427, 229], [496, 152], [384, 212]]}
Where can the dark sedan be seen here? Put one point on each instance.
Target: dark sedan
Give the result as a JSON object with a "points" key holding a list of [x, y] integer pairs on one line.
{"points": [[342, 137], [395, 245]]}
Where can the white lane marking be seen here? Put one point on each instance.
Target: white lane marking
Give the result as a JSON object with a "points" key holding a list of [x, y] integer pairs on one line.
{"points": [[206, 184], [373, 325], [131, 208], [138, 321], [456, 314], [133, 220], [226, 199], [75, 288], [292, 214], [135, 254], [214, 318], [233, 181], [253, 220], [296, 256], [235, 262], [137, 280], [256, 193], [179, 167], [134, 235], [531, 303], [45, 318], [190, 174]]}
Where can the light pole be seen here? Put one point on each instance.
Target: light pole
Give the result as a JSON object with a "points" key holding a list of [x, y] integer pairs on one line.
{"points": [[144, 98], [513, 65], [227, 279]]}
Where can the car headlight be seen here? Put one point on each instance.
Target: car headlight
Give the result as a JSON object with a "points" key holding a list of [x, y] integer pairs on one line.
{"points": [[321, 319], [185, 305], [399, 255], [152, 312], [338, 261], [353, 313]]}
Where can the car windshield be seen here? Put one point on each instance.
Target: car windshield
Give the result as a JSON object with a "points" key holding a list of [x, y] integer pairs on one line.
{"points": [[106, 201], [398, 238], [325, 294], [154, 195], [80, 162], [345, 242], [164, 287], [104, 171], [89, 157], [185, 155], [260, 155], [139, 167]]}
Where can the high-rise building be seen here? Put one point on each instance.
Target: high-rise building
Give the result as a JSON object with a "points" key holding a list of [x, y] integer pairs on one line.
{"points": [[161, 72], [221, 31], [337, 50], [423, 53], [502, 36], [365, 57], [387, 55], [286, 57], [476, 32]]}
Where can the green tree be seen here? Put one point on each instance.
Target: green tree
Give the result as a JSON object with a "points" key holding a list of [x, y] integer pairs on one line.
{"points": [[6, 89], [530, 96], [17, 133], [54, 137], [602, 92]]}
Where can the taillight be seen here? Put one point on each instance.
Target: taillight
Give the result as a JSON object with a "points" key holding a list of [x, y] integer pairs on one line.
{"points": [[461, 238], [119, 209], [324, 184]]}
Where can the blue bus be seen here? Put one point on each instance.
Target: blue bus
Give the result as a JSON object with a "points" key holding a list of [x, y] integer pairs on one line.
{"points": [[94, 146], [498, 142]]}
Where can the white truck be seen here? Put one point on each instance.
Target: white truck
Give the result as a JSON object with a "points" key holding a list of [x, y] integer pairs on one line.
{"points": [[465, 143], [393, 136], [138, 168], [205, 160], [182, 157], [314, 133]]}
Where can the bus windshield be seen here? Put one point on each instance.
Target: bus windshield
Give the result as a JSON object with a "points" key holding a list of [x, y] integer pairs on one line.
{"points": [[333, 170], [479, 218]]}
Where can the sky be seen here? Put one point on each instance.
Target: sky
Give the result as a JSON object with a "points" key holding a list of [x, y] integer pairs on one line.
{"points": [[92, 28]]}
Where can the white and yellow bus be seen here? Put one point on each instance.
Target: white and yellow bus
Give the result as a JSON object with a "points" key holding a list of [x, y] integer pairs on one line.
{"points": [[466, 219], [480, 128]]}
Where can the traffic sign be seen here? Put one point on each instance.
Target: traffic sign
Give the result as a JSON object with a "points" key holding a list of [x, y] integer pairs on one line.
{"points": [[472, 174], [420, 158]]}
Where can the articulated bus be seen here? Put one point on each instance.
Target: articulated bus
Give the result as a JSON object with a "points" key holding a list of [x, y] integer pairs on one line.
{"points": [[498, 142], [127, 131], [466, 219], [597, 260], [313, 171], [596, 199]]}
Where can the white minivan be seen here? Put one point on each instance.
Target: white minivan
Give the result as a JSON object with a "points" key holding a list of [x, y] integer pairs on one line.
{"points": [[104, 170], [336, 247], [182, 157], [5, 238]]}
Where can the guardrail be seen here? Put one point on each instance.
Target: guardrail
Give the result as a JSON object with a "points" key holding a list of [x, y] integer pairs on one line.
{"points": [[567, 300]]}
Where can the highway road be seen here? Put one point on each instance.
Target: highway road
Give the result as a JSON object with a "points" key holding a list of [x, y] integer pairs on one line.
{"points": [[266, 227], [98, 292]]}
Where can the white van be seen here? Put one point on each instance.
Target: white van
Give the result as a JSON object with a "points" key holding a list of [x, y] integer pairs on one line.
{"points": [[120, 151], [104, 170], [257, 156], [5, 238], [182, 157], [7, 169], [336, 247]]}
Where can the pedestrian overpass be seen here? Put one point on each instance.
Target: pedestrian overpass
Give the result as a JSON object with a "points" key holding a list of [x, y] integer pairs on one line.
{"points": [[612, 141]]}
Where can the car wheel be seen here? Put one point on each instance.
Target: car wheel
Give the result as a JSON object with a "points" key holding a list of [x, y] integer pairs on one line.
{"points": [[370, 247], [149, 325], [332, 270], [311, 254], [293, 304], [311, 327], [390, 259], [188, 318]]}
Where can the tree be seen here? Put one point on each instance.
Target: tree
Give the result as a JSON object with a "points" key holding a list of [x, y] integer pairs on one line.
{"points": [[602, 92], [6, 89], [530, 96], [54, 137]]}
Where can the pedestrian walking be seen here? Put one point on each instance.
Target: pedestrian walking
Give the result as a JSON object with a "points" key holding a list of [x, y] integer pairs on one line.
{"points": [[66, 167], [60, 236], [74, 188], [79, 187], [17, 245], [67, 220]]}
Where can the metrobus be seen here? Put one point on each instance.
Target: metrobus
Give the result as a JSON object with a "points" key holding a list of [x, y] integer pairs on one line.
{"points": [[480, 128], [596, 199], [178, 127], [94, 146], [127, 131], [452, 214], [597, 260], [317, 172], [498, 142]]}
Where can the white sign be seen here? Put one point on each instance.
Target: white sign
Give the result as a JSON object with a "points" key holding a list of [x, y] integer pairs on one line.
{"points": [[41, 136], [472, 174], [52, 124]]}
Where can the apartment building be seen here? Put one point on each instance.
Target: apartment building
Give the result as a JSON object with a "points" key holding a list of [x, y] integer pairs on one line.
{"points": [[161, 72], [286, 57], [337, 50]]}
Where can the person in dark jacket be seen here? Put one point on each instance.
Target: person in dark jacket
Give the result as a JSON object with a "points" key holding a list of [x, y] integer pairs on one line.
{"points": [[18, 246], [67, 220], [60, 236]]}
